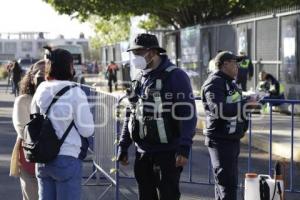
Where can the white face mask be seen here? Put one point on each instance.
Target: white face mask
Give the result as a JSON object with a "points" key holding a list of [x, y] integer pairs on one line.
{"points": [[139, 62]]}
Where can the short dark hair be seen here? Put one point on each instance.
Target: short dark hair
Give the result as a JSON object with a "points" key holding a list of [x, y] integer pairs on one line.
{"points": [[58, 66], [223, 56], [219, 65]]}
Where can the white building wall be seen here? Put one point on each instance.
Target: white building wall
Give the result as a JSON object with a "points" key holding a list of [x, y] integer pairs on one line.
{"points": [[36, 48]]}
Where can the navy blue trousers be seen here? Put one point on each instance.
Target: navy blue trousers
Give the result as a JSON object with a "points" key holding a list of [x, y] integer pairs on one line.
{"points": [[224, 159]]}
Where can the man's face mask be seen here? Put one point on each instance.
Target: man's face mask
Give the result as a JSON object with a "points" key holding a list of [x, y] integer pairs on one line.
{"points": [[139, 62]]}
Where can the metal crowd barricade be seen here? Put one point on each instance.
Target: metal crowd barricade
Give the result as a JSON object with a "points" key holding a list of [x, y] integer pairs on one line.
{"points": [[107, 132], [104, 141], [250, 130], [271, 103], [90, 93]]}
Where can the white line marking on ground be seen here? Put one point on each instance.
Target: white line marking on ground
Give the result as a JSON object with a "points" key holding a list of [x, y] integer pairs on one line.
{"points": [[6, 122]]}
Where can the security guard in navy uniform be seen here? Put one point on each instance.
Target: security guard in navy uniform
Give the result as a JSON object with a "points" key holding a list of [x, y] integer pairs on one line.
{"points": [[245, 71], [160, 120], [226, 123]]}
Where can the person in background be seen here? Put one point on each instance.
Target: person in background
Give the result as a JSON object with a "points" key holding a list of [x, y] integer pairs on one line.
{"points": [[226, 123], [61, 178], [111, 72], [163, 137], [95, 67], [20, 117], [245, 71], [270, 85], [9, 77], [16, 77]]}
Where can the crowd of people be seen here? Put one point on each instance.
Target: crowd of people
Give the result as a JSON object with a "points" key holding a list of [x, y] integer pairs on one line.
{"points": [[15, 74], [160, 120]]}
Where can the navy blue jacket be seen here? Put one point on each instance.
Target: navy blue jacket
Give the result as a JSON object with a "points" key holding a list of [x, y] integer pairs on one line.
{"points": [[177, 82], [220, 114]]}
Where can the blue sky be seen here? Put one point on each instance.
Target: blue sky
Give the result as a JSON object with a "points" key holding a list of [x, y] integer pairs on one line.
{"points": [[36, 15]]}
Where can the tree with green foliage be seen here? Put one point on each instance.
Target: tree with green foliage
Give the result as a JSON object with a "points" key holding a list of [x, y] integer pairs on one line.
{"points": [[178, 13], [110, 31], [109, 16]]}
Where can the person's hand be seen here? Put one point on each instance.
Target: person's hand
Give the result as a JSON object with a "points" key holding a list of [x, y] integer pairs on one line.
{"points": [[123, 158], [181, 161]]}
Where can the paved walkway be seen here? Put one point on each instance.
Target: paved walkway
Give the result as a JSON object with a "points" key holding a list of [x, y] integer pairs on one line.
{"points": [[10, 186]]}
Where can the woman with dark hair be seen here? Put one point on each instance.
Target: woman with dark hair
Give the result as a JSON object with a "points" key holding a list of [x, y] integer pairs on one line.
{"points": [[61, 177], [21, 112]]}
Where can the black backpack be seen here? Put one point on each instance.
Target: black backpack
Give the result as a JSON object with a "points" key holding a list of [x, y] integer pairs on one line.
{"points": [[40, 143]]}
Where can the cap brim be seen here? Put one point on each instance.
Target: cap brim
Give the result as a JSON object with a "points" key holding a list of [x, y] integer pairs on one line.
{"points": [[136, 47], [161, 50], [239, 58]]}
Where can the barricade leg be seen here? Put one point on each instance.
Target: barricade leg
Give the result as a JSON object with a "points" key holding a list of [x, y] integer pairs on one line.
{"points": [[292, 152], [270, 140]]}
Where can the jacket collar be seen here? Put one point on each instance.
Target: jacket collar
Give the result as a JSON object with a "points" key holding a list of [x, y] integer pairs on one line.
{"points": [[165, 62]]}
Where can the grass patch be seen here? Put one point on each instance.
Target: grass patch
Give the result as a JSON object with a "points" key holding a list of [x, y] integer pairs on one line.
{"points": [[3, 72]]}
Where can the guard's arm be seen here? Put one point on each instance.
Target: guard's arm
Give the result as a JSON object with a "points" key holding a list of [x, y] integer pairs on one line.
{"points": [[125, 140], [185, 109]]}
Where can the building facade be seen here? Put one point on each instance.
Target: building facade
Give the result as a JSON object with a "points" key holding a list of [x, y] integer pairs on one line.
{"points": [[30, 44]]}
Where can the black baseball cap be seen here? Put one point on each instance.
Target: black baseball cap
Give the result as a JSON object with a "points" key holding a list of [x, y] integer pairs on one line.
{"points": [[226, 56], [146, 41]]}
